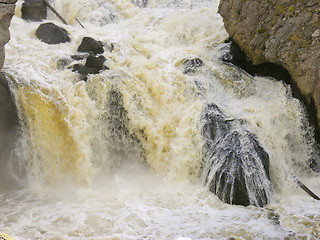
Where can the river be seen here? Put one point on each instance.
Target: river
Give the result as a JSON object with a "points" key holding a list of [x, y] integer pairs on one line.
{"points": [[118, 156]]}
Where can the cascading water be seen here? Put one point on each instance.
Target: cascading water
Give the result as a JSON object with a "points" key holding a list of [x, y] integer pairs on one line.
{"points": [[120, 155]]}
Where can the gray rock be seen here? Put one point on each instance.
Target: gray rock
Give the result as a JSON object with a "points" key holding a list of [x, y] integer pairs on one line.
{"points": [[52, 34], [236, 167], [281, 32], [34, 10], [7, 8]]}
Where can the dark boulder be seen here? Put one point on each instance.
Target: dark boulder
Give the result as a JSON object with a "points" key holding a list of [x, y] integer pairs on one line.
{"points": [[91, 45], [52, 34], [236, 167], [34, 10], [190, 65], [93, 65], [83, 70], [95, 62]]}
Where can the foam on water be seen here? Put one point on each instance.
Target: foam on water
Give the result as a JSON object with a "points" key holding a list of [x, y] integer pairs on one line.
{"points": [[75, 187]]}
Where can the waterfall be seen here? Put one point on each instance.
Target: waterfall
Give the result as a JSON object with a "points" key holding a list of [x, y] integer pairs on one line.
{"points": [[157, 143]]}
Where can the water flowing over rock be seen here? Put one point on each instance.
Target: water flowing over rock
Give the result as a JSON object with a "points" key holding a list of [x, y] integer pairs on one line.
{"points": [[34, 10], [6, 13], [9, 123], [52, 34], [236, 167], [281, 32]]}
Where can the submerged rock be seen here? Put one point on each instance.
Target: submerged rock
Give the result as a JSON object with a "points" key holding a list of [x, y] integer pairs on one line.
{"points": [[91, 45], [125, 145], [191, 65], [34, 10], [95, 62], [52, 34], [236, 167], [140, 3], [9, 127]]}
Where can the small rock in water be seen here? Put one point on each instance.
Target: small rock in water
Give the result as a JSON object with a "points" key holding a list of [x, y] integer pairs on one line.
{"points": [[34, 10], [140, 3], [52, 34], [83, 70], [95, 62], [191, 65], [78, 57], [63, 63], [89, 44]]}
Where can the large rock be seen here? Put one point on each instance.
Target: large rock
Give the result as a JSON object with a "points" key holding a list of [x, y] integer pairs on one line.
{"points": [[7, 8], [283, 32], [236, 167], [52, 34], [34, 10]]}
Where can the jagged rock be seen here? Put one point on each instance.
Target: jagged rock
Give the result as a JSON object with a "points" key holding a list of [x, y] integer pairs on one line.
{"points": [[52, 34], [7, 8], [236, 167], [34, 10], [281, 32], [191, 65], [91, 45]]}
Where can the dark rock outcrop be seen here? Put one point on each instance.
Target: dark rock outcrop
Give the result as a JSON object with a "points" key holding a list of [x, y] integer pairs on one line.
{"points": [[7, 8], [91, 45], [34, 10], [283, 32], [52, 34], [9, 125], [236, 167]]}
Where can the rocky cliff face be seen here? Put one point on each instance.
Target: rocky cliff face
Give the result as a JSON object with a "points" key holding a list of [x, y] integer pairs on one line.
{"points": [[284, 32], [7, 8]]}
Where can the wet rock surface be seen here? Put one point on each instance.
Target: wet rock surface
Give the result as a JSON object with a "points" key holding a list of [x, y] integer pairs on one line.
{"points": [[9, 126], [52, 34], [91, 45], [7, 8], [282, 32], [34, 10], [236, 166]]}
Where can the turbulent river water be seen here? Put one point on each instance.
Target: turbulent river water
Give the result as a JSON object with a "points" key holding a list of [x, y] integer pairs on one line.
{"points": [[119, 156]]}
